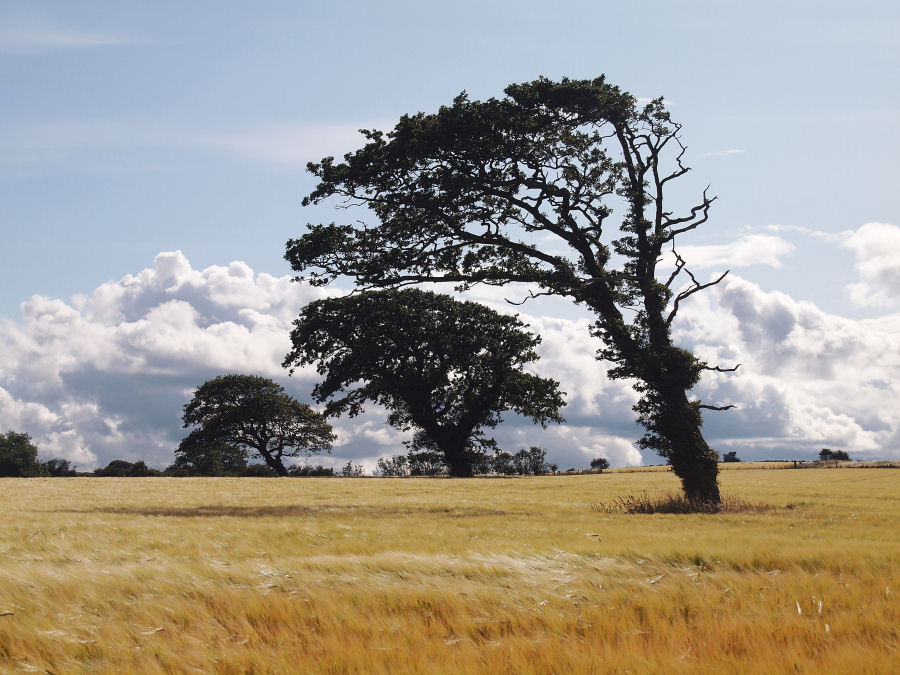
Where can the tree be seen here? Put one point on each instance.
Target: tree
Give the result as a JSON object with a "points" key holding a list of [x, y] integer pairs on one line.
{"points": [[476, 193], [531, 461], [198, 455], [730, 456], [444, 368], [600, 464], [18, 455], [59, 467], [827, 454], [254, 413], [398, 465], [120, 468]]}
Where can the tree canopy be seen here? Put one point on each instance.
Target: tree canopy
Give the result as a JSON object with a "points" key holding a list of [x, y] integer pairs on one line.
{"points": [[444, 368], [559, 185], [254, 412], [18, 455]]}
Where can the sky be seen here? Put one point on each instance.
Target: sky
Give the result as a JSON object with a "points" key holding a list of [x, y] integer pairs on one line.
{"points": [[152, 165]]}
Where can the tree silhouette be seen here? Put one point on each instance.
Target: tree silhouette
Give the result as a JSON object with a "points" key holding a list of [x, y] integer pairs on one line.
{"points": [[559, 185], [255, 413], [444, 368]]}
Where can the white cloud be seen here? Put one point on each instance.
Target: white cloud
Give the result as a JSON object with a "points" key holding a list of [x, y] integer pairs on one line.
{"points": [[749, 249], [808, 379], [105, 375], [877, 249]]}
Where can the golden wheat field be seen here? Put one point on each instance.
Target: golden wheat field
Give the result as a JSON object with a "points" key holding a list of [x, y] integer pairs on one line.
{"points": [[520, 575]]}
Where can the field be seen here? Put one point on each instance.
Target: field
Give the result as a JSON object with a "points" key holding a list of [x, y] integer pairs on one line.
{"points": [[522, 575]]}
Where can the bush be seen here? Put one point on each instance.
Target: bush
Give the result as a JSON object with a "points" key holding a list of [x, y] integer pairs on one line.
{"points": [[730, 457], [836, 455]]}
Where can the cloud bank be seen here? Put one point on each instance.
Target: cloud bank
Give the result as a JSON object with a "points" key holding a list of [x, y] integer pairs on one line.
{"points": [[105, 375]]}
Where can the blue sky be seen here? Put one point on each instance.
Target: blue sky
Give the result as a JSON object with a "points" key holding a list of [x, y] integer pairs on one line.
{"points": [[133, 129]]}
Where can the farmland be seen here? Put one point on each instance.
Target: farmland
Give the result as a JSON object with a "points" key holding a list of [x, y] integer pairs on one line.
{"points": [[525, 575]]}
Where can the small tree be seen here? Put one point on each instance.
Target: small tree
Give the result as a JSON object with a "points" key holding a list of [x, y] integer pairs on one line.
{"points": [[827, 454], [120, 468], [198, 455], [600, 464], [563, 185], [18, 455], [444, 368], [254, 413], [530, 461], [59, 467], [503, 463], [397, 465], [730, 456], [351, 470]]}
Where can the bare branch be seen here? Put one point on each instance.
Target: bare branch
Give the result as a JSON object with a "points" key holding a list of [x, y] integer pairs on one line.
{"points": [[720, 369], [531, 296], [716, 407], [689, 292]]}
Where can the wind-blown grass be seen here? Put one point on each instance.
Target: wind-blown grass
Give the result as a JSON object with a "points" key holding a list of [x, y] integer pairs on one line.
{"points": [[416, 575]]}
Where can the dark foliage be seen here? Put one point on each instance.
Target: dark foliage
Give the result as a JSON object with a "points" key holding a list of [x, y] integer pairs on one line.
{"points": [[121, 469], [476, 192], [827, 454], [59, 467], [18, 455], [730, 457], [444, 368], [599, 464], [254, 413], [198, 455]]}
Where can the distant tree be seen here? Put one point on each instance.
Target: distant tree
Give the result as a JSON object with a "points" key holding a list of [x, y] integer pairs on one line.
{"points": [[730, 456], [119, 468], [425, 461], [59, 467], [503, 463], [351, 470], [18, 455], [565, 185], [600, 464], [198, 455], [306, 471], [530, 461], [255, 413], [827, 454], [398, 465], [444, 368]]}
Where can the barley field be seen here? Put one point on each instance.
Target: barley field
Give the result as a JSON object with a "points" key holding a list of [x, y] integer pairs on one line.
{"points": [[520, 575]]}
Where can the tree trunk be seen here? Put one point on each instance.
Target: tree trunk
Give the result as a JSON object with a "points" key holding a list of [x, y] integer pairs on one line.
{"points": [[692, 460], [274, 463], [458, 461]]}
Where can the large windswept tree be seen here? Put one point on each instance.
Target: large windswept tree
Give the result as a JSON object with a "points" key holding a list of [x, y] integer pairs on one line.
{"points": [[443, 368], [560, 185]]}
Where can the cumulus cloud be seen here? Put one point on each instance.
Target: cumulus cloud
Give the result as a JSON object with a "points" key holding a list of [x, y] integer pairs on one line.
{"points": [[105, 375], [808, 379], [877, 249], [749, 249]]}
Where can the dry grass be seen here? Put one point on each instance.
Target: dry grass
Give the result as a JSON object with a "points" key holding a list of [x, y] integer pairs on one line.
{"points": [[416, 575]]}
